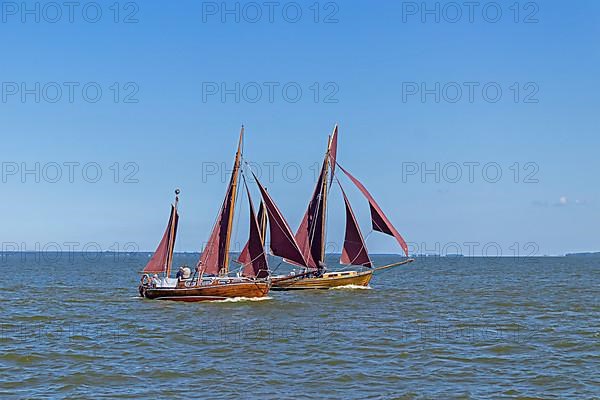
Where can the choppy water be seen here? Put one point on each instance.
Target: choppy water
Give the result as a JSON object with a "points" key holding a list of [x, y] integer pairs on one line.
{"points": [[73, 327]]}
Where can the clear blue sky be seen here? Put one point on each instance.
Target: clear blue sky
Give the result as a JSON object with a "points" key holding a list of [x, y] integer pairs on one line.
{"points": [[374, 54]]}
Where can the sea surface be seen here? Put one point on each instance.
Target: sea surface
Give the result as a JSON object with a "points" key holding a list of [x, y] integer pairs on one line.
{"points": [[73, 326]]}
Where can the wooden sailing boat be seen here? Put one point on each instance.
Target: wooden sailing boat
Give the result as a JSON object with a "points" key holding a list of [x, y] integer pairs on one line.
{"points": [[312, 233], [212, 280]]}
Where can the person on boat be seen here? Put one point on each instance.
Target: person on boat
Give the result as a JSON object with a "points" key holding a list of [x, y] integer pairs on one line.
{"points": [[183, 275], [321, 270], [154, 280]]}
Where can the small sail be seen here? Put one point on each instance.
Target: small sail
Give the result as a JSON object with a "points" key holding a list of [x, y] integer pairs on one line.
{"points": [[380, 222], [215, 257], [257, 264], [355, 250], [262, 221], [283, 243], [244, 257], [333, 152], [162, 256]]}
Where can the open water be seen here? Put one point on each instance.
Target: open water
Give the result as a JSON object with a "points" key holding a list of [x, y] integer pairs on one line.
{"points": [[73, 326]]}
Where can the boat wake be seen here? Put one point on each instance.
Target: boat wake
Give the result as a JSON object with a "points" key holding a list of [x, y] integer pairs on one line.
{"points": [[242, 299], [352, 287]]}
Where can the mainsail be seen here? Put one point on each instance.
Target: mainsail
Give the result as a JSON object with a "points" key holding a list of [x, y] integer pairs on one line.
{"points": [[355, 250], [311, 233], [163, 256], [283, 243], [215, 257], [380, 222], [257, 264]]}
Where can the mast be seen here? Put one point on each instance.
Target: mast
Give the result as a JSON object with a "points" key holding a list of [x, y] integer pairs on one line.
{"points": [[324, 193], [262, 221], [234, 184], [311, 233], [172, 236]]}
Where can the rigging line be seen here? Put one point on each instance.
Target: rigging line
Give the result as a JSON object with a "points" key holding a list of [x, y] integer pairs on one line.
{"points": [[311, 233], [252, 260], [364, 243], [239, 270], [277, 267], [363, 247], [219, 214]]}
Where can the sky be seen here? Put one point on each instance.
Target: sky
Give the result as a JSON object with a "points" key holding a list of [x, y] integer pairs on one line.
{"points": [[476, 129]]}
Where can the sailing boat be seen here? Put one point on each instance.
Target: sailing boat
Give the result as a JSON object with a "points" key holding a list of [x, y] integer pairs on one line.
{"points": [[312, 233], [212, 279]]}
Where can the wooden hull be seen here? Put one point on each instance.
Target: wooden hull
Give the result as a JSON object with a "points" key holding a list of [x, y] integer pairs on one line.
{"points": [[326, 282], [220, 291]]}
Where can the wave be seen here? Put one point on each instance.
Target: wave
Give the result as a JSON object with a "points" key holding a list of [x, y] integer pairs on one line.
{"points": [[240, 299], [352, 287]]}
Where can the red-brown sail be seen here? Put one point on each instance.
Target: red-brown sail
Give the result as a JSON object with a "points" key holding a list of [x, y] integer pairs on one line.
{"points": [[244, 257], [380, 222], [257, 265], [283, 243], [162, 256], [215, 257], [355, 250]]}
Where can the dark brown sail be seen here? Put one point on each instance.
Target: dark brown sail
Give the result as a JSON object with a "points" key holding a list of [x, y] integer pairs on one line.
{"points": [[257, 265], [162, 257], [333, 152], [215, 257], [244, 257], [355, 250], [379, 220], [283, 243], [310, 233]]}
